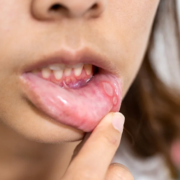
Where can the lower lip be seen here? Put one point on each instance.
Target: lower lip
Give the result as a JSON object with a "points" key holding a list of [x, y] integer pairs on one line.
{"points": [[81, 108]]}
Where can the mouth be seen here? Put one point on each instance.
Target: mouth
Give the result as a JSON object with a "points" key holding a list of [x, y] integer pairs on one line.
{"points": [[77, 90]]}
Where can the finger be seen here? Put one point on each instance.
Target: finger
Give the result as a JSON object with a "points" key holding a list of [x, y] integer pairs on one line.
{"points": [[175, 153], [95, 156], [118, 172]]}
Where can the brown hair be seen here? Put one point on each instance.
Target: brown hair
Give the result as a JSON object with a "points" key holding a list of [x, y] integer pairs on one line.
{"points": [[152, 108]]}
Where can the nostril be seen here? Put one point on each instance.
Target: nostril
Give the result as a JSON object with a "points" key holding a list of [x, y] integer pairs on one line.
{"points": [[69, 11], [95, 10], [57, 7], [94, 6]]}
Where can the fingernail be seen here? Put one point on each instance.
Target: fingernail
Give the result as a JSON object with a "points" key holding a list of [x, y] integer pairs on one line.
{"points": [[118, 121]]}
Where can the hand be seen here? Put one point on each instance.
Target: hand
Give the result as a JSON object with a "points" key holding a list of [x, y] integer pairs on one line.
{"points": [[93, 156], [174, 153]]}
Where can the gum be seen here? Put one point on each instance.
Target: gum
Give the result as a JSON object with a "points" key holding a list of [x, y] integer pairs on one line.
{"points": [[82, 108], [70, 81]]}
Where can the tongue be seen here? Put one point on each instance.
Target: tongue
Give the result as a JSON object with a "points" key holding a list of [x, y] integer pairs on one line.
{"points": [[81, 108]]}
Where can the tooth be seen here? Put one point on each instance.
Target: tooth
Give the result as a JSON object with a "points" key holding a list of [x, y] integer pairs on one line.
{"points": [[88, 69], [46, 72], [58, 74], [78, 69], [56, 67], [77, 65], [67, 71]]}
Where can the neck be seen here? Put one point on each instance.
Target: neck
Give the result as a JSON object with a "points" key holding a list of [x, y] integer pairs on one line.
{"points": [[26, 159]]}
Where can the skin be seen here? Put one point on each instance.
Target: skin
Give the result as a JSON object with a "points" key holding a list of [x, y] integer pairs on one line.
{"points": [[28, 32], [174, 153]]}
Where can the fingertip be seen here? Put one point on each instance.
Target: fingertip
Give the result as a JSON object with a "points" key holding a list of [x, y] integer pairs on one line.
{"points": [[118, 120]]}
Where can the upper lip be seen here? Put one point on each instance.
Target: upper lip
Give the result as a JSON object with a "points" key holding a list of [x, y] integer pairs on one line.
{"points": [[65, 56]]}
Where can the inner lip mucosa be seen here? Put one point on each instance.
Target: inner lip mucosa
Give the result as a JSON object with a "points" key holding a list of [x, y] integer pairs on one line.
{"points": [[67, 76], [76, 95]]}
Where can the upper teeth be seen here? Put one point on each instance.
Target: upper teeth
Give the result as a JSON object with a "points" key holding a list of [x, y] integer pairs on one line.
{"points": [[78, 69], [60, 70], [56, 67]]}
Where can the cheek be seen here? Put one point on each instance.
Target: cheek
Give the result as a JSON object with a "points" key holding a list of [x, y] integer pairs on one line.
{"points": [[131, 22]]}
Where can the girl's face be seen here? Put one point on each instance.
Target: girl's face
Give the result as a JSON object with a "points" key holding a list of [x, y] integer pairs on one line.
{"points": [[34, 30]]}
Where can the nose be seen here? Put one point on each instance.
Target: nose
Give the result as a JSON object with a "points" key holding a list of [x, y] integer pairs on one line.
{"points": [[57, 9]]}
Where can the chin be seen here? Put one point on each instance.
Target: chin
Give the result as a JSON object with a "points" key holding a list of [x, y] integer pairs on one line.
{"points": [[40, 128], [52, 132], [55, 134]]}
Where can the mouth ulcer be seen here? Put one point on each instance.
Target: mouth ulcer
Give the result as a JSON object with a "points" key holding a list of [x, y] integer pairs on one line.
{"points": [[75, 95]]}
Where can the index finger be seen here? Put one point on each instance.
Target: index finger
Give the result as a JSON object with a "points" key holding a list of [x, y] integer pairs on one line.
{"points": [[95, 156]]}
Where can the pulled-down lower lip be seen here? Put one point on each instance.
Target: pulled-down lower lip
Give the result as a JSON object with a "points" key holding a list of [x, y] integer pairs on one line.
{"points": [[81, 108]]}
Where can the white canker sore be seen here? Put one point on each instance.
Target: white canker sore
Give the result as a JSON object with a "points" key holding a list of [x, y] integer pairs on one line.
{"points": [[108, 88], [115, 100]]}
